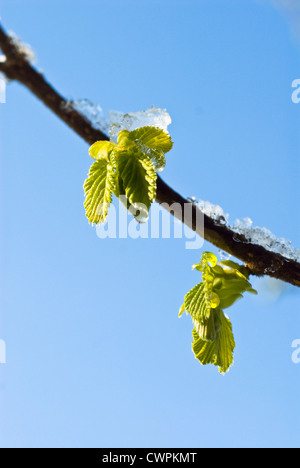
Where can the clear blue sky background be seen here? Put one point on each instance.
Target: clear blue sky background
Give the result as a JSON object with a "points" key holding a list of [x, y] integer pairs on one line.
{"points": [[96, 355]]}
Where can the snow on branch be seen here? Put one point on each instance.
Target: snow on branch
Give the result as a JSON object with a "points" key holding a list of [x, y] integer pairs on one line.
{"points": [[252, 234], [256, 247]]}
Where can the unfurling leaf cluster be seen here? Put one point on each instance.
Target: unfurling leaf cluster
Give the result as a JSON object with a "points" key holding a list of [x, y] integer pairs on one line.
{"points": [[127, 169], [222, 285]]}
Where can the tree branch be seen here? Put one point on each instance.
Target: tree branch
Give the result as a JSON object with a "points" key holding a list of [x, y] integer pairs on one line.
{"points": [[258, 260]]}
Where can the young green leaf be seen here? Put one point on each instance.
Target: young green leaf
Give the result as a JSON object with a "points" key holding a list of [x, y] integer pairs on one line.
{"points": [[152, 137], [127, 169], [98, 189], [101, 149], [220, 351], [137, 178], [221, 286], [151, 142], [198, 303]]}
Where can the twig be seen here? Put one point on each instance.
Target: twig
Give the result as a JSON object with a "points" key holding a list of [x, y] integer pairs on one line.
{"points": [[258, 260]]}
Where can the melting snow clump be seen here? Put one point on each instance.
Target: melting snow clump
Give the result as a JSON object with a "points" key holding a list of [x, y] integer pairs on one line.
{"points": [[92, 112], [265, 238], [254, 235], [153, 117], [23, 49], [117, 121], [213, 211]]}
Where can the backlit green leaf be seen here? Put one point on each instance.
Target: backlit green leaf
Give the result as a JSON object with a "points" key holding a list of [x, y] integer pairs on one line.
{"points": [[101, 149], [137, 178], [152, 137], [98, 189], [222, 285], [220, 351], [128, 169]]}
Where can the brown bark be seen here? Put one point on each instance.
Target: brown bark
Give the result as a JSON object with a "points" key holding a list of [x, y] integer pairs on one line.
{"points": [[258, 260]]}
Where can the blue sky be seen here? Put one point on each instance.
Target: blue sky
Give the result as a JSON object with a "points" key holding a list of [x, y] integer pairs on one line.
{"points": [[96, 355]]}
